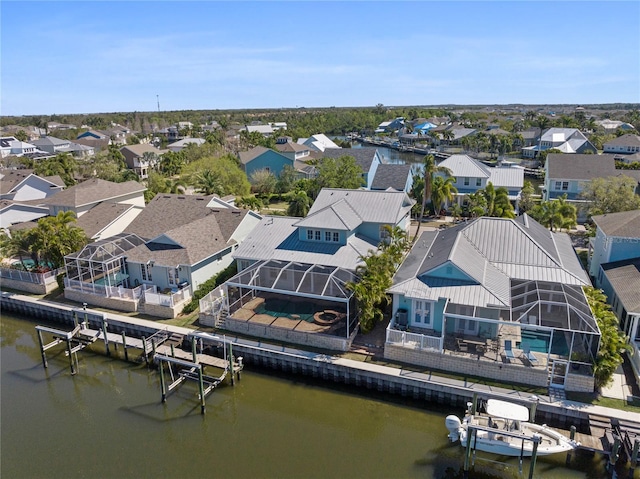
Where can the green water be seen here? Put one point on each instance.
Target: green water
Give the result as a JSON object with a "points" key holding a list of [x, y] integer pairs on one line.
{"points": [[108, 421]]}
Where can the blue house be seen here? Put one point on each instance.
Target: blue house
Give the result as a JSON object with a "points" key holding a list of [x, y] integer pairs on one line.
{"points": [[368, 158], [261, 158], [498, 298], [294, 272]]}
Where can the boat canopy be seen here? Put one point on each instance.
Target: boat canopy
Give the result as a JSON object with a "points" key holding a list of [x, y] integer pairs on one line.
{"points": [[507, 410]]}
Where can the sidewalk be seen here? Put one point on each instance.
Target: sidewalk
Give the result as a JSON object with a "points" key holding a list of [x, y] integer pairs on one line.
{"points": [[619, 388]]}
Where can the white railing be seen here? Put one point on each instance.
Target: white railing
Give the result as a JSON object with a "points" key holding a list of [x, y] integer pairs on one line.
{"points": [[414, 340], [213, 303], [102, 290], [635, 355], [169, 300], [28, 277]]}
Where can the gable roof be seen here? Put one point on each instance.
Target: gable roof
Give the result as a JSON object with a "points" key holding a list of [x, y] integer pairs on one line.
{"points": [[624, 140], [93, 191], [185, 141], [248, 156], [465, 166], [491, 251], [10, 179], [625, 224], [101, 216], [580, 167], [624, 277], [336, 216], [139, 150], [364, 156], [290, 146], [391, 176], [371, 206]]}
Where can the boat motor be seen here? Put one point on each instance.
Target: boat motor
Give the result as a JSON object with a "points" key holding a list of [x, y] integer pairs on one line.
{"points": [[453, 425]]}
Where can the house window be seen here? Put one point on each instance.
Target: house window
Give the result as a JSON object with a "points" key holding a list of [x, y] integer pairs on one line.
{"points": [[317, 235], [173, 276], [336, 237], [467, 326], [422, 312], [146, 272], [384, 233], [327, 236], [310, 234], [466, 182], [565, 185]]}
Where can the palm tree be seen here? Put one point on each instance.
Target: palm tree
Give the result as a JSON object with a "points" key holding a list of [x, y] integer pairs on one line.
{"points": [[476, 204], [208, 183], [18, 244], [299, 204], [429, 169], [443, 191]]}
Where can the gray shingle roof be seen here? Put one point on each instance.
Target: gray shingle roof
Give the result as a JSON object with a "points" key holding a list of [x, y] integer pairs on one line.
{"points": [[580, 167], [624, 277], [93, 191], [624, 140], [101, 216], [625, 224], [247, 156], [391, 176]]}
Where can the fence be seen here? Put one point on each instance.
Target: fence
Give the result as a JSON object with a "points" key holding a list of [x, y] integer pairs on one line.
{"points": [[169, 300], [104, 291], [413, 340], [27, 277]]}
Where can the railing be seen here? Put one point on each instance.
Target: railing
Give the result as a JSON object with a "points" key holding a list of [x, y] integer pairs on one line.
{"points": [[102, 290], [414, 340], [28, 277], [213, 303], [169, 300]]}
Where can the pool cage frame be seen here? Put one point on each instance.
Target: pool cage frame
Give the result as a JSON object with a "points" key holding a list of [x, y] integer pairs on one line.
{"points": [[103, 260], [323, 284]]}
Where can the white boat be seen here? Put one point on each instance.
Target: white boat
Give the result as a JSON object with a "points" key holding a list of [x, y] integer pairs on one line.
{"points": [[505, 430]]}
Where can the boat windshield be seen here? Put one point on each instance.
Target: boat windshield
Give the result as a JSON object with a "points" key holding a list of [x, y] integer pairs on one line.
{"points": [[507, 410]]}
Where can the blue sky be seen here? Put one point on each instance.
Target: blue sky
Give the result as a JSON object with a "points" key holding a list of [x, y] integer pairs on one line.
{"points": [[87, 57]]}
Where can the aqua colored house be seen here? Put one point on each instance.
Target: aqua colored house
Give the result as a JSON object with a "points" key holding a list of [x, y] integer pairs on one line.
{"points": [[497, 298], [261, 158]]}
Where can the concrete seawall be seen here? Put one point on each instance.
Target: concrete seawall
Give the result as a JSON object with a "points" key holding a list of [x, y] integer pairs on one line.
{"points": [[393, 380]]}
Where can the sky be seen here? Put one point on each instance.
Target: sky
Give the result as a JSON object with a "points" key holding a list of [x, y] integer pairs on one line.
{"points": [[120, 56]]}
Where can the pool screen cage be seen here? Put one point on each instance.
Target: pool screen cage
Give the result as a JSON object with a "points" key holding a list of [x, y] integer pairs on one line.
{"points": [[102, 262], [318, 284]]}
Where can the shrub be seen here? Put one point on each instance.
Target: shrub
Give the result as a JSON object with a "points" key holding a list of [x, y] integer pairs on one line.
{"points": [[208, 286]]}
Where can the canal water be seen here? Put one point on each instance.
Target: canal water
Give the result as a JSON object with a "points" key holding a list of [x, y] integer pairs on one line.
{"points": [[108, 421]]}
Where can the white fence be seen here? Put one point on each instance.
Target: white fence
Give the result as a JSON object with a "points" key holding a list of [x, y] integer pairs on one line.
{"points": [[27, 277], [152, 296], [413, 340], [102, 290]]}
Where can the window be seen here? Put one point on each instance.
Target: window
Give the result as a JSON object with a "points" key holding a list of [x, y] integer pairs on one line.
{"points": [[565, 185], [466, 182], [309, 234], [336, 237], [422, 312], [174, 277], [467, 326], [478, 181], [327, 236], [317, 235], [384, 233], [146, 272]]}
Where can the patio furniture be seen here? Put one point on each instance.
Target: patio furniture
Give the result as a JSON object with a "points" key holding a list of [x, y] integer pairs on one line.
{"points": [[462, 346], [508, 352], [526, 351]]}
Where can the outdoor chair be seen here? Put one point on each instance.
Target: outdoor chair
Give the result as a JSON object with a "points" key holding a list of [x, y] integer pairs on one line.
{"points": [[526, 350], [508, 352]]}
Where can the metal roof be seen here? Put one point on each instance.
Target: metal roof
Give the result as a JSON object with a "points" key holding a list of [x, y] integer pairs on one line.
{"points": [[276, 237], [464, 166], [337, 216], [387, 207]]}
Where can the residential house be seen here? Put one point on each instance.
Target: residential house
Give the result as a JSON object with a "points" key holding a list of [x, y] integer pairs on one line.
{"points": [[54, 125], [182, 144], [33, 132], [391, 126], [10, 146], [368, 158], [293, 272], [54, 145], [530, 137], [17, 213], [567, 140], [495, 298], [141, 158], [614, 264], [393, 176], [318, 142], [423, 127], [84, 196], [472, 175], [261, 158], [93, 134], [610, 126], [292, 150], [628, 144], [24, 185], [264, 130], [171, 248], [569, 174]]}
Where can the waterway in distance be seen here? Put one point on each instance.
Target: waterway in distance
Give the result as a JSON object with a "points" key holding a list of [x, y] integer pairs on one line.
{"points": [[108, 421]]}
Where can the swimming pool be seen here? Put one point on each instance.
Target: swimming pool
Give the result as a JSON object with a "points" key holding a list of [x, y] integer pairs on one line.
{"points": [[539, 342], [282, 308]]}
